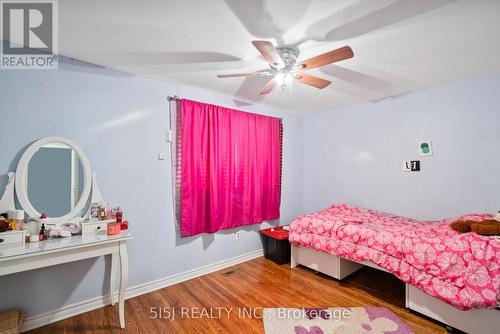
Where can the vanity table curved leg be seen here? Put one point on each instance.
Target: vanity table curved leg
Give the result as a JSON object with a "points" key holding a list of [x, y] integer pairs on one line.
{"points": [[123, 281], [112, 278]]}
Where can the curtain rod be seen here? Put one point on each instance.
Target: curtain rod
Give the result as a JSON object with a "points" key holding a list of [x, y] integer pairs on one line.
{"points": [[177, 98]]}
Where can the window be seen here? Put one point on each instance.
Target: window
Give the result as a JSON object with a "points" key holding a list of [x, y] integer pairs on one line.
{"points": [[228, 168]]}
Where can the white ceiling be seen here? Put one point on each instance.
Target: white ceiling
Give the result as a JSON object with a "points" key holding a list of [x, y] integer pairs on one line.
{"points": [[399, 45]]}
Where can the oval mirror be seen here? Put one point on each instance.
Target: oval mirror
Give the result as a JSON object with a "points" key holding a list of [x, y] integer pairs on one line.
{"points": [[53, 177]]}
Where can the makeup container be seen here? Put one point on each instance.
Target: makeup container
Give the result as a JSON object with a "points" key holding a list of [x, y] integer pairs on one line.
{"points": [[119, 216], [16, 220], [4, 224], [95, 211], [43, 233], [114, 228]]}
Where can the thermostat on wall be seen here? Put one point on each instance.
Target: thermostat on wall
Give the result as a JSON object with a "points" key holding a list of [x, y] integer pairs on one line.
{"points": [[411, 166]]}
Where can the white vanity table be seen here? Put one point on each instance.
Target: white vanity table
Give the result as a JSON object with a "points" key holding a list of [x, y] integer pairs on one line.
{"points": [[54, 176], [18, 258]]}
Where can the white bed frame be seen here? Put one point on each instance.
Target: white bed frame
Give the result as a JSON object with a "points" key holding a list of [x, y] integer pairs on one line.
{"points": [[473, 321]]}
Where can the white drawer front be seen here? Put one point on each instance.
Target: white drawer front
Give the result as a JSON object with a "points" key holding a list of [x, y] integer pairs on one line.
{"points": [[476, 321], [94, 229], [325, 263], [9, 238]]}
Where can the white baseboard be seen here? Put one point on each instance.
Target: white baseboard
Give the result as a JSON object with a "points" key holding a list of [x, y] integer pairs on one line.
{"points": [[134, 291]]}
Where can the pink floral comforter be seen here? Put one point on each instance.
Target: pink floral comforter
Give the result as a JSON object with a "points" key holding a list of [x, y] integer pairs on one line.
{"points": [[460, 269]]}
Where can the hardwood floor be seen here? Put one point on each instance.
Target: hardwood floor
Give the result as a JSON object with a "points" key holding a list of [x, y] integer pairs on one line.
{"points": [[252, 285]]}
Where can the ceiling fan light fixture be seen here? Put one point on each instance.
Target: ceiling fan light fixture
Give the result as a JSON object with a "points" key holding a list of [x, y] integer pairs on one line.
{"points": [[284, 68], [283, 79]]}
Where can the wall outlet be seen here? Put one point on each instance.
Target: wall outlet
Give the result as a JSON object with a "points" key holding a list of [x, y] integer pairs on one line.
{"points": [[238, 235], [161, 156]]}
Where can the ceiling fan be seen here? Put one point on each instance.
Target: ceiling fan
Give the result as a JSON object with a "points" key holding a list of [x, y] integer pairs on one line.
{"points": [[284, 66]]}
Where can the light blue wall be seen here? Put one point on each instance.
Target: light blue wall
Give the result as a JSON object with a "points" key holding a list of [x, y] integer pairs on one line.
{"points": [[120, 121], [355, 154]]}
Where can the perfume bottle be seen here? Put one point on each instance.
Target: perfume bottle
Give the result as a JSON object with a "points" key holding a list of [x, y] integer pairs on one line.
{"points": [[43, 234]]}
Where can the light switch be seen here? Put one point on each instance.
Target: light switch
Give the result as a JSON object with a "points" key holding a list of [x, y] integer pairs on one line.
{"points": [[161, 156]]}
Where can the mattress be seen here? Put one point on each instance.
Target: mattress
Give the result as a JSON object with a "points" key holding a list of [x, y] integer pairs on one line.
{"points": [[461, 269]]}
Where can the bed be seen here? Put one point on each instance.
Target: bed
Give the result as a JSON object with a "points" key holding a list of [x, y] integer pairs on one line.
{"points": [[451, 277]]}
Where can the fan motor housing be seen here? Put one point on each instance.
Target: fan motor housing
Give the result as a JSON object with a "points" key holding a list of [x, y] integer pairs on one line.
{"points": [[289, 56]]}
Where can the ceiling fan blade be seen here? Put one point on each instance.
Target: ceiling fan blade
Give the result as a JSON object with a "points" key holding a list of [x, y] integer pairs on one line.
{"points": [[327, 58], [262, 73], [249, 74], [268, 87], [312, 80], [269, 53]]}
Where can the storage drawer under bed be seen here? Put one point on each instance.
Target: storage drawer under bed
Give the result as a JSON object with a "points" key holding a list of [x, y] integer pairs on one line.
{"points": [[478, 321], [325, 263]]}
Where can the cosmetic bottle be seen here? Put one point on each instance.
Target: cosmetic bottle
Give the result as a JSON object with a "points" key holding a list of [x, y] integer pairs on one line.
{"points": [[41, 220], [118, 214], [94, 211], [42, 236], [19, 216], [16, 220], [102, 215]]}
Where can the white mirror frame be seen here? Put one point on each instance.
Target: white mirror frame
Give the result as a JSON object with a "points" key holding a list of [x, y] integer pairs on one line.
{"points": [[22, 173]]}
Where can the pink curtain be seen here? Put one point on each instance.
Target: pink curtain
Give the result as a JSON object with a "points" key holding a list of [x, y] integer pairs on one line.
{"points": [[230, 168]]}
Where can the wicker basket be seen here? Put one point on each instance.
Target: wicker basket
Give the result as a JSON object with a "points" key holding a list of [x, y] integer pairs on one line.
{"points": [[11, 322]]}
